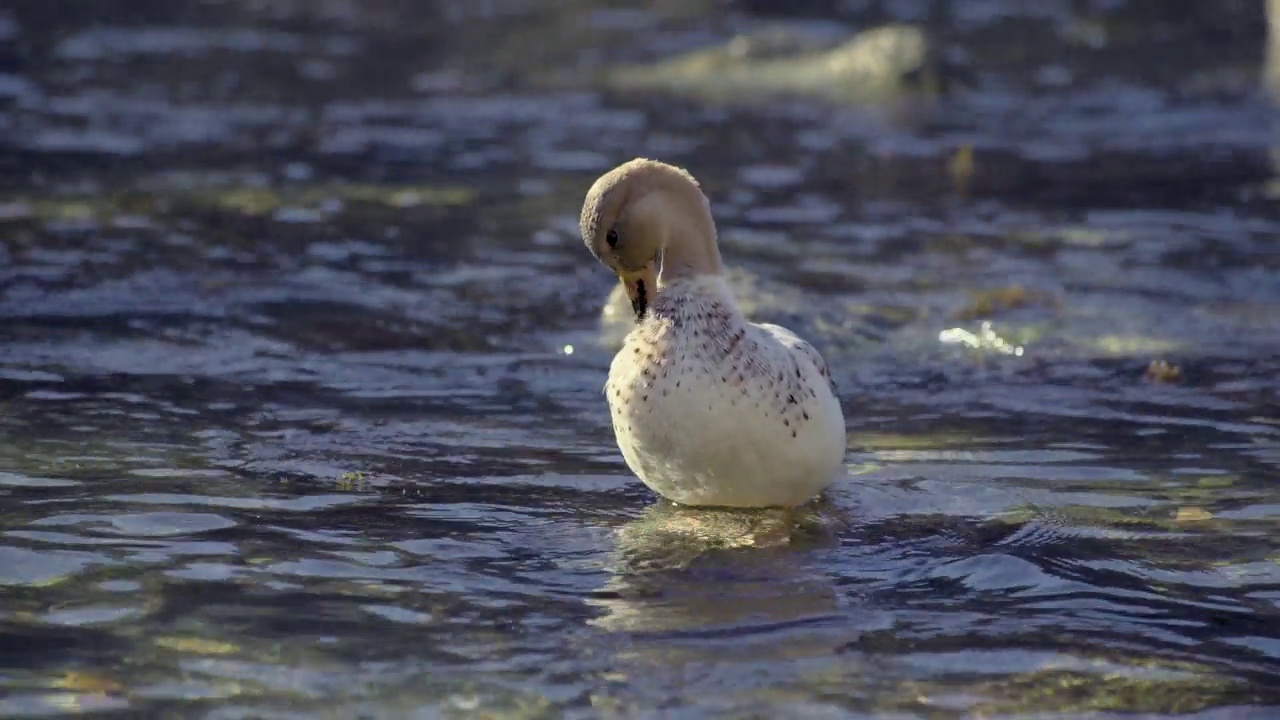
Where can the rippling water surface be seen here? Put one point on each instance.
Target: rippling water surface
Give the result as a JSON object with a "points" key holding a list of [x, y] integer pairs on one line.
{"points": [[300, 363]]}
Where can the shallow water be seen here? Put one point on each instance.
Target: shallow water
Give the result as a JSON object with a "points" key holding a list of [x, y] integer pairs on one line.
{"points": [[300, 367]]}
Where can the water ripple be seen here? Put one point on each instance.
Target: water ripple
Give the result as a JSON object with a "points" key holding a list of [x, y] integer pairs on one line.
{"points": [[301, 358]]}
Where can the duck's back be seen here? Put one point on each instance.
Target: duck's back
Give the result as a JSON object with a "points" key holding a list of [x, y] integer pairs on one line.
{"points": [[709, 409]]}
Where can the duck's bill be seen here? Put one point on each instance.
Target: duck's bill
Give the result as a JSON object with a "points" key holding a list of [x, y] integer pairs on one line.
{"points": [[640, 285]]}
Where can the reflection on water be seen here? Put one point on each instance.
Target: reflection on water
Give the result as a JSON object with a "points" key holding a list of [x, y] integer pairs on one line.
{"points": [[300, 363]]}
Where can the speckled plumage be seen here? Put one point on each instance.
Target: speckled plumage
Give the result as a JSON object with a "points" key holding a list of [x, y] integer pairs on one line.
{"points": [[709, 409]]}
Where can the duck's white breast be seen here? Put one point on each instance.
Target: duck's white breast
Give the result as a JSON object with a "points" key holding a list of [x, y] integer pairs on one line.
{"points": [[711, 410]]}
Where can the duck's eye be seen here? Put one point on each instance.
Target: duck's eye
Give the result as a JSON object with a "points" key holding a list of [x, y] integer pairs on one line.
{"points": [[611, 237]]}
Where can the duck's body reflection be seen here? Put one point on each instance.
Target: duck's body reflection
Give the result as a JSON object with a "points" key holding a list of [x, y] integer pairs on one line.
{"points": [[707, 573]]}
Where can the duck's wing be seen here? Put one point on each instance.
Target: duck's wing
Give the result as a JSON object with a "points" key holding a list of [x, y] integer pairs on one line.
{"points": [[799, 347]]}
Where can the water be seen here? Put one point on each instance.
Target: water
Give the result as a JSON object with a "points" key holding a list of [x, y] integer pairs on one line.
{"points": [[300, 365]]}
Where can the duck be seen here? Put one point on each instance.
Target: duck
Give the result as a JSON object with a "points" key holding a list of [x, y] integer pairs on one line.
{"points": [[708, 409]]}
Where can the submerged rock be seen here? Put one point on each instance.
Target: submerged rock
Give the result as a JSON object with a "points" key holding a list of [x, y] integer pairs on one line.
{"points": [[872, 67]]}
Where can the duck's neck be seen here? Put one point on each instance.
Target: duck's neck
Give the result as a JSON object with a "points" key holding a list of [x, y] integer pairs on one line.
{"points": [[690, 260], [692, 250], [695, 298]]}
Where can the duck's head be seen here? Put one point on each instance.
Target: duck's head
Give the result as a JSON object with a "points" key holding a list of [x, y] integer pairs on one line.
{"points": [[643, 216]]}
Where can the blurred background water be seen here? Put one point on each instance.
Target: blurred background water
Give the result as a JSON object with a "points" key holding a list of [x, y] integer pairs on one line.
{"points": [[301, 358]]}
